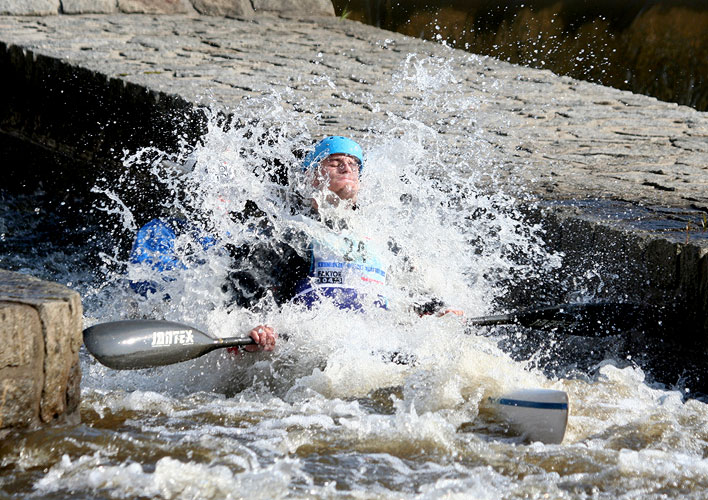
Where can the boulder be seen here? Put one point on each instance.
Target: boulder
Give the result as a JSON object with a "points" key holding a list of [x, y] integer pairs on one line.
{"points": [[89, 6], [40, 337]]}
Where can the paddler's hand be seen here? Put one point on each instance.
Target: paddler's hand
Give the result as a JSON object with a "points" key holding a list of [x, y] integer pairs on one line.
{"points": [[265, 338], [456, 312]]}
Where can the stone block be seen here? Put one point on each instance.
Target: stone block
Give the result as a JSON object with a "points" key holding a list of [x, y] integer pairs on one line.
{"points": [[231, 8], [19, 402], [40, 337], [155, 6], [89, 6], [29, 7], [61, 350], [295, 7], [20, 334], [21, 365]]}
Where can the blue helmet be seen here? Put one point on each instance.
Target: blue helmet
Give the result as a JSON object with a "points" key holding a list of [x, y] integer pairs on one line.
{"points": [[332, 145]]}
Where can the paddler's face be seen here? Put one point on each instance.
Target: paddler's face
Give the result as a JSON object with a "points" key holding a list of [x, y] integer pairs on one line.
{"points": [[340, 173]]}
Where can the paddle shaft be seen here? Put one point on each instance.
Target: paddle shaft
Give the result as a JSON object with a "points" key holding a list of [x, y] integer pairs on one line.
{"points": [[589, 319]]}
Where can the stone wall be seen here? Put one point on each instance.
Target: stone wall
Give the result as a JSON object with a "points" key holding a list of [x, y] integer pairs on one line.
{"points": [[232, 8], [40, 337], [669, 271], [39, 113]]}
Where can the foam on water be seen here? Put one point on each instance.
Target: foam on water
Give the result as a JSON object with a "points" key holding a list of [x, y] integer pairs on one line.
{"points": [[327, 414], [170, 479], [645, 442]]}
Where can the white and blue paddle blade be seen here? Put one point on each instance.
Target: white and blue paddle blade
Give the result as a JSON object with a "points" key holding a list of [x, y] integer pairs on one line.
{"points": [[537, 414]]}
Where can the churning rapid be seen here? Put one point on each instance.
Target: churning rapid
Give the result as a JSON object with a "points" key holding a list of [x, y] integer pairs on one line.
{"points": [[327, 414]]}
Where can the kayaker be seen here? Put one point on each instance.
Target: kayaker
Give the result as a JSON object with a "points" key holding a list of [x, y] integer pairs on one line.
{"points": [[335, 266]]}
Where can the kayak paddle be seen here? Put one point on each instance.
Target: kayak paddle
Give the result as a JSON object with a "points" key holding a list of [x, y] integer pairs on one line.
{"points": [[595, 319], [142, 343], [537, 414], [146, 343]]}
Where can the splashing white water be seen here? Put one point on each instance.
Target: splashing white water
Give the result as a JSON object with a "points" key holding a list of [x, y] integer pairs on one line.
{"points": [[418, 191]]}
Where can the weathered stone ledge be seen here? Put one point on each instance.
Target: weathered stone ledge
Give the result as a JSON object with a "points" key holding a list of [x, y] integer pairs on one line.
{"points": [[234, 8], [116, 78], [668, 270], [40, 337]]}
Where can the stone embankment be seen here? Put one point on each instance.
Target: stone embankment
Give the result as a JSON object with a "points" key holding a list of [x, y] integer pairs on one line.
{"points": [[565, 138], [90, 86], [237, 8], [40, 337]]}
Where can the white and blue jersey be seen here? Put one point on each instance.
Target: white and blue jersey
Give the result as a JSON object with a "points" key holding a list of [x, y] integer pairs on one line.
{"points": [[345, 270]]}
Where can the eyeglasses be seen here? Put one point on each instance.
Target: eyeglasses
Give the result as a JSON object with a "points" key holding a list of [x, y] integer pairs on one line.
{"points": [[340, 163]]}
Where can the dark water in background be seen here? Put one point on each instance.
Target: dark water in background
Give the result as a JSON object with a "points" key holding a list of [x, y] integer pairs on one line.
{"points": [[653, 47]]}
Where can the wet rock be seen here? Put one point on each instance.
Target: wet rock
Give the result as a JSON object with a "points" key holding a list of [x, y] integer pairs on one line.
{"points": [[29, 7], [650, 261], [40, 337]]}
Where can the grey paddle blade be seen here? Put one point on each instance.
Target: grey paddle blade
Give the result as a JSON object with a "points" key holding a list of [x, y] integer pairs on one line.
{"points": [[135, 344]]}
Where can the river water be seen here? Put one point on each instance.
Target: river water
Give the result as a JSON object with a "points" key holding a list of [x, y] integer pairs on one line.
{"points": [[327, 415]]}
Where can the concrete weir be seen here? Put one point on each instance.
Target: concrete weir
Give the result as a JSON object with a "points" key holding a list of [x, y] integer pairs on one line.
{"points": [[618, 176]]}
